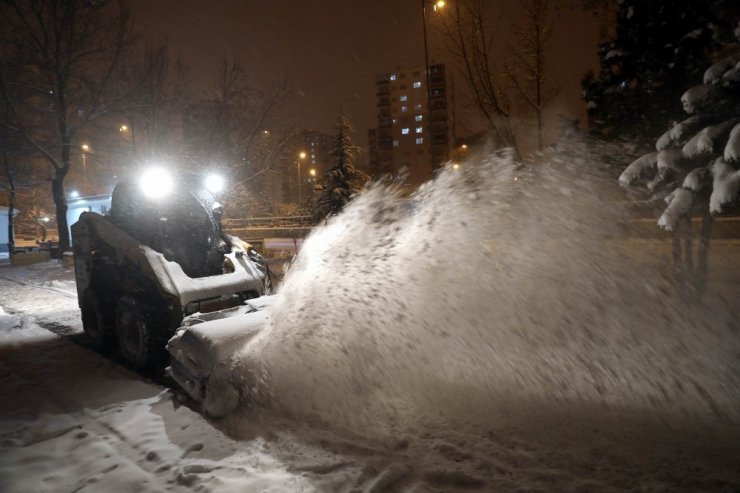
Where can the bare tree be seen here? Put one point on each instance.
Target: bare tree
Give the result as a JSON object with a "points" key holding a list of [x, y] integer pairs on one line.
{"points": [[470, 30], [69, 57], [160, 99], [527, 70], [239, 130]]}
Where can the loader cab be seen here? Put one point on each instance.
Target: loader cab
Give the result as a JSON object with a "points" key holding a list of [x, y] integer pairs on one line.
{"points": [[184, 225]]}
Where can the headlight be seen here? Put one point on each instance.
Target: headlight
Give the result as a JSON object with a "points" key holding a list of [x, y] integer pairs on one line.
{"points": [[156, 183], [214, 183]]}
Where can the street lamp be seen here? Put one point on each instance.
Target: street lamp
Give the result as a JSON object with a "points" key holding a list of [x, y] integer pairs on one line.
{"points": [[85, 148], [301, 157], [128, 134], [437, 5]]}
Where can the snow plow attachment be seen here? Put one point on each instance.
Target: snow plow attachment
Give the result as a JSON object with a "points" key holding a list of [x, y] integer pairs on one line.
{"points": [[203, 350]]}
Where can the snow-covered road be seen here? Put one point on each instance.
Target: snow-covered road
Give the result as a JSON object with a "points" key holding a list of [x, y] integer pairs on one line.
{"points": [[72, 420]]}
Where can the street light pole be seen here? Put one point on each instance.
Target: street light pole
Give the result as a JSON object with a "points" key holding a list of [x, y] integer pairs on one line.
{"points": [[428, 82], [85, 148], [301, 157], [299, 181], [438, 4]]}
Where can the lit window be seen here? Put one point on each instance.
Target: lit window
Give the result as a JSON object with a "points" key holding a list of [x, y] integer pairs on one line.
{"points": [[419, 130], [420, 140], [417, 84], [417, 106], [392, 77], [418, 118], [395, 143], [403, 98], [405, 131], [404, 109]]}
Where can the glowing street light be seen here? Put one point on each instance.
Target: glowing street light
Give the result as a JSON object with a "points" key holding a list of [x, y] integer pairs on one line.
{"points": [[74, 194], [123, 128], [312, 172], [85, 148], [301, 156], [45, 219], [439, 4], [455, 166]]}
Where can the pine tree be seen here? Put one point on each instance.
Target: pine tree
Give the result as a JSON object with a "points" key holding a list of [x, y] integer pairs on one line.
{"points": [[337, 187], [696, 164], [657, 48]]}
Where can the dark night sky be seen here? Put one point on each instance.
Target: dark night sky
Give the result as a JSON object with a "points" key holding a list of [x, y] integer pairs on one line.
{"points": [[332, 50]]}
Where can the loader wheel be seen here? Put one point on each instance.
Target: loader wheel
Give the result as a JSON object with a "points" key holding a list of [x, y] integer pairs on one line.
{"points": [[96, 321], [140, 338]]}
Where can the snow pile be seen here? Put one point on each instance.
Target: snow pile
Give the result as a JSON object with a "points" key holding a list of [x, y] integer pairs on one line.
{"points": [[496, 291]]}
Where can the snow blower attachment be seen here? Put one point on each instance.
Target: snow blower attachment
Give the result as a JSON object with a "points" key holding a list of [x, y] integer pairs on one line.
{"points": [[159, 256], [204, 349]]}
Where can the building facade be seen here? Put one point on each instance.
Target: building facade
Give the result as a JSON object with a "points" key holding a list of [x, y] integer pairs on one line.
{"points": [[412, 140], [317, 161], [317, 145]]}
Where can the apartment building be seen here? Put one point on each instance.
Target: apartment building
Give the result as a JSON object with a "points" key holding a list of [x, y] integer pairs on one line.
{"points": [[410, 141]]}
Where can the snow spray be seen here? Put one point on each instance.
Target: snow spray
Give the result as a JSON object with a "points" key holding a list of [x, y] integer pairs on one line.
{"points": [[496, 288]]}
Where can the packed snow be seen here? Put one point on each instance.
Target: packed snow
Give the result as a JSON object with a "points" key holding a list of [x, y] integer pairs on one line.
{"points": [[495, 332]]}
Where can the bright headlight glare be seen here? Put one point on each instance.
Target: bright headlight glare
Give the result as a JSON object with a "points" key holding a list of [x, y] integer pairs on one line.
{"points": [[214, 183], [155, 183]]}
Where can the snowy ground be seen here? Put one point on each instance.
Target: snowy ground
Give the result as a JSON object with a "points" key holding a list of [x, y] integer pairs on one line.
{"points": [[72, 420]]}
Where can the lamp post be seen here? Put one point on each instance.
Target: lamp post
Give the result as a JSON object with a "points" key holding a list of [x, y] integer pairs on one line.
{"points": [[438, 4], [301, 157], [84, 148]]}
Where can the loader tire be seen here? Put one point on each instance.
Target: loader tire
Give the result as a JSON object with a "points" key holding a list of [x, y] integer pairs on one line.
{"points": [[97, 322], [141, 339]]}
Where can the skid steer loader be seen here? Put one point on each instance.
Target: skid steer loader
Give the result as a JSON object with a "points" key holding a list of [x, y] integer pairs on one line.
{"points": [[159, 256]]}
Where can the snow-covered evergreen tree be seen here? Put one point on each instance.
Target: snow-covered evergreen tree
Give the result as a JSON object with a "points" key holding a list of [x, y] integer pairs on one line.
{"points": [[658, 47], [696, 164], [343, 180]]}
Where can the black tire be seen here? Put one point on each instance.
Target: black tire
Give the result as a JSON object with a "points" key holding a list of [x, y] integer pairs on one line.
{"points": [[97, 322], [141, 339]]}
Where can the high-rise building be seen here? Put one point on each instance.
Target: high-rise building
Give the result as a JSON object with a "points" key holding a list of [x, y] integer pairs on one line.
{"points": [[407, 131], [317, 145]]}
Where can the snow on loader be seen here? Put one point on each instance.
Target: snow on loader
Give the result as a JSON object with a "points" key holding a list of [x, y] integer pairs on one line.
{"points": [[157, 258]]}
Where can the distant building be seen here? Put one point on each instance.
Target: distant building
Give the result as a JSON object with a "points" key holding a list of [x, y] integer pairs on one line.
{"points": [[317, 146], [400, 146]]}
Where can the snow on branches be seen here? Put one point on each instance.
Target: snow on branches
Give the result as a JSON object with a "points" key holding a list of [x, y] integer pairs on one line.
{"points": [[701, 153], [343, 181]]}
